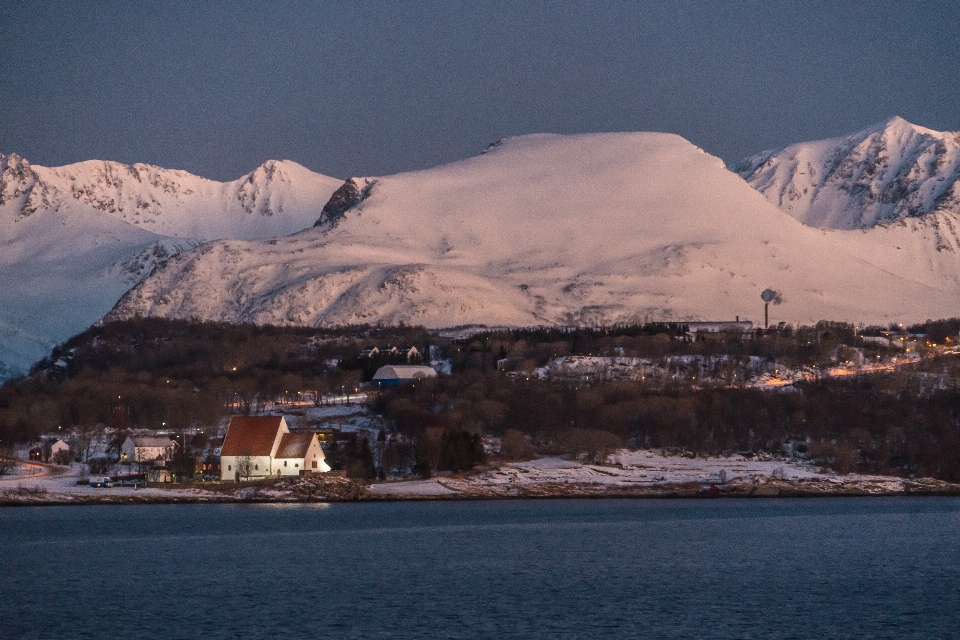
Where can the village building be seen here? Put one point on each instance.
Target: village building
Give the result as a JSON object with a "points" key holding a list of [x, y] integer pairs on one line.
{"points": [[260, 447], [723, 326], [58, 450], [393, 374], [719, 330], [410, 355], [53, 449], [146, 449]]}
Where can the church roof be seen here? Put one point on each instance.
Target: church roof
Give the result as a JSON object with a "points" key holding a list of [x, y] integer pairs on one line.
{"points": [[247, 436], [294, 445]]}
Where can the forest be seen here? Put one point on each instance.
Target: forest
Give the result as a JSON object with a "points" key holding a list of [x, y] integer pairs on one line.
{"points": [[148, 373]]}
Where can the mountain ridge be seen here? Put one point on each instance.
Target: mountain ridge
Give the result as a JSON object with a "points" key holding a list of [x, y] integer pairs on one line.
{"points": [[73, 239], [885, 173]]}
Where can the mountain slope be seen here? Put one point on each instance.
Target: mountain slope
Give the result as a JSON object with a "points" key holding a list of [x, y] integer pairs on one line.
{"points": [[74, 239], [889, 172], [542, 229]]}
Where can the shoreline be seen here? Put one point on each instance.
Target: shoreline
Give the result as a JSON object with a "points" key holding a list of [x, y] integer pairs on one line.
{"points": [[626, 474], [350, 491]]}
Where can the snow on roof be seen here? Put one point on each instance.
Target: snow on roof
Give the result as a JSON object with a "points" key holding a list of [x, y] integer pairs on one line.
{"points": [[251, 436], [294, 445], [404, 372]]}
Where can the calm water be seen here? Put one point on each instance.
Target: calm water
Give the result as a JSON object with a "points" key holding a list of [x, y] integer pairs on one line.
{"points": [[852, 568]]}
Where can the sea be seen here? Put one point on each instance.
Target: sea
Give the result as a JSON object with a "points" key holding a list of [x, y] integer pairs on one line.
{"points": [[725, 568]]}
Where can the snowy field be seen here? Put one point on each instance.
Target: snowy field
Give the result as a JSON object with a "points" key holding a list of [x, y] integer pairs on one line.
{"points": [[628, 470]]}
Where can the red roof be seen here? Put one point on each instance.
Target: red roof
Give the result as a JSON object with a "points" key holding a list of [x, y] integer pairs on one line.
{"points": [[251, 436], [294, 445]]}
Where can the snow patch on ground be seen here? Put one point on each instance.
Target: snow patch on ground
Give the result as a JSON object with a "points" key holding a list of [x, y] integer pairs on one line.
{"points": [[641, 469], [411, 488]]}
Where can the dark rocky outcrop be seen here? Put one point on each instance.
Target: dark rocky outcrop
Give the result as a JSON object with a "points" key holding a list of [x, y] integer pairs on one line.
{"points": [[350, 194]]}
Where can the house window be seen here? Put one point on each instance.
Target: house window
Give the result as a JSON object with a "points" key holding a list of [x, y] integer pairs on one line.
{"points": [[284, 463], [296, 464], [314, 464], [229, 467], [256, 467]]}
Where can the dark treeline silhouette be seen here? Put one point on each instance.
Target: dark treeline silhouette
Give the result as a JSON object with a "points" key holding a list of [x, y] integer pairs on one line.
{"points": [[153, 373]]}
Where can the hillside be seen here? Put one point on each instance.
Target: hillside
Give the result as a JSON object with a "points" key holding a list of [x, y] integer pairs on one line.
{"points": [[547, 229], [73, 239]]}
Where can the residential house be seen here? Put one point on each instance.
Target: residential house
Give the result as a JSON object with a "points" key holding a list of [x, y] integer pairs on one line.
{"points": [[58, 450], [146, 449], [259, 447], [411, 354]]}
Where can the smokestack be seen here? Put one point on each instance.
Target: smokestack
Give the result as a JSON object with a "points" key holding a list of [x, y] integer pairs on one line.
{"points": [[768, 296]]}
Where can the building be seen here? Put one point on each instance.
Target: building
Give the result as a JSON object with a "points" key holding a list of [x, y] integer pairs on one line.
{"points": [[737, 326], [410, 355], [146, 449], [261, 447], [58, 450], [392, 374], [720, 330]]}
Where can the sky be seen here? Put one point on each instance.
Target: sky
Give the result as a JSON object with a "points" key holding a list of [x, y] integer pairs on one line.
{"points": [[374, 88]]}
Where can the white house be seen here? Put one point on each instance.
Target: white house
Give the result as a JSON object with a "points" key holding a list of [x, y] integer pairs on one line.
{"points": [[146, 449], [58, 447], [263, 446]]}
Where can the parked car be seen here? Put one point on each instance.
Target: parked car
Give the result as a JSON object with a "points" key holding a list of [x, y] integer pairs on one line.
{"points": [[101, 481]]}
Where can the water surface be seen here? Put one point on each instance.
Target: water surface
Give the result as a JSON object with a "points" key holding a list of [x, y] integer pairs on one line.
{"points": [[852, 568]]}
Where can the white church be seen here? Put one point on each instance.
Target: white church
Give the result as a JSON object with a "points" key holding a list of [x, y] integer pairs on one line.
{"points": [[262, 447]]}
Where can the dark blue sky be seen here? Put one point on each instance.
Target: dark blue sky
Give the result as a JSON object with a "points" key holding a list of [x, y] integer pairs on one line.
{"points": [[367, 88]]}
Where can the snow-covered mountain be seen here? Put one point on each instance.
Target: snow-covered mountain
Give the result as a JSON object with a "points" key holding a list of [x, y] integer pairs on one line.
{"points": [[277, 198], [890, 172], [549, 229], [73, 239]]}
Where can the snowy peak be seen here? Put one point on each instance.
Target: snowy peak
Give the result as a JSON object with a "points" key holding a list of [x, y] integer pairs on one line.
{"points": [[17, 183], [277, 198], [888, 172]]}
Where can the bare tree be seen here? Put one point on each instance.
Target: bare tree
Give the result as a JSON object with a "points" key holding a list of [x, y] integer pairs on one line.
{"points": [[87, 434], [8, 460], [62, 457], [244, 465]]}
